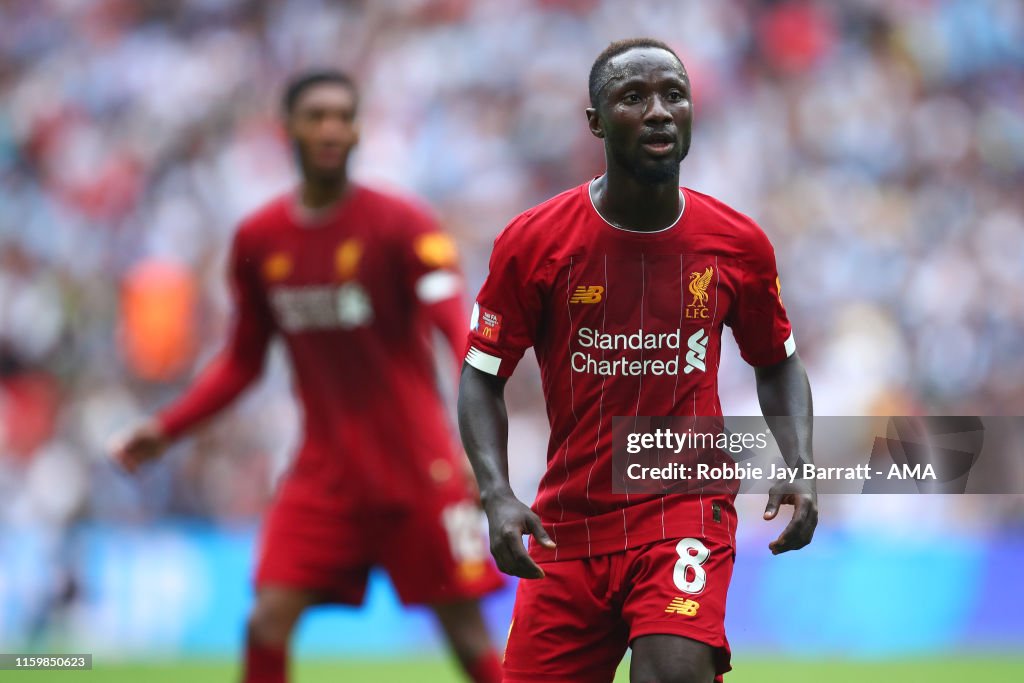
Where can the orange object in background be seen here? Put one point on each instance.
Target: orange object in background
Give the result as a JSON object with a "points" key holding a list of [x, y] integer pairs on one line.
{"points": [[158, 303]]}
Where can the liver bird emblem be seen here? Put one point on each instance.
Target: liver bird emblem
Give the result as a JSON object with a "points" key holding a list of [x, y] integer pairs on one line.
{"points": [[699, 286]]}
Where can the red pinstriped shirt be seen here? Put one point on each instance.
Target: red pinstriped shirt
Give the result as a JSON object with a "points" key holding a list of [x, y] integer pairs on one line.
{"points": [[624, 323]]}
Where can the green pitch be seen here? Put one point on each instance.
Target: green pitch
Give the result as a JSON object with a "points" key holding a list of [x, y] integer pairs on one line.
{"points": [[989, 669]]}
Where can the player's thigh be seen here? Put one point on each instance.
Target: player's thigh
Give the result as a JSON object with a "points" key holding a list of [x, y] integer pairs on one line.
{"points": [[436, 553], [675, 659], [308, 545], [564, 628], [678, 588]]}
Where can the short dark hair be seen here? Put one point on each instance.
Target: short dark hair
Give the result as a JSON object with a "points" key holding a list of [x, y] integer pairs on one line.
{"points": [[301, 82], [597, 71]]}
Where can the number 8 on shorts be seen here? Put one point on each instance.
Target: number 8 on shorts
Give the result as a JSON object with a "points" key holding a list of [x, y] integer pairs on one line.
{"points": [[692, 554]]}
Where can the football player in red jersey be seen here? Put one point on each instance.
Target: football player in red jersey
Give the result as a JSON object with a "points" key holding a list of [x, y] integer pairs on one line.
{"points": [[352, 280], [628, 255]]}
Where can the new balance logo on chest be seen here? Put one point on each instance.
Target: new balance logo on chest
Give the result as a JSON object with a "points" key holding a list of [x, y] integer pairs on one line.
{"points": [[587, 295]]}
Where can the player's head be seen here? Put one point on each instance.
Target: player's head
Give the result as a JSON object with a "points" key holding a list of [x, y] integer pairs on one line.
{"points": [[641, 106], [320, 115]]}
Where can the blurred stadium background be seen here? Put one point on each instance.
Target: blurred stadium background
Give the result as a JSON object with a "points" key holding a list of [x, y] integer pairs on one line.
{"points": [[879, 142]]}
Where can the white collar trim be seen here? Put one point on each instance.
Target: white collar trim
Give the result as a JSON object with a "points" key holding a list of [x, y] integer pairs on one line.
{"points": [[682, 210]]}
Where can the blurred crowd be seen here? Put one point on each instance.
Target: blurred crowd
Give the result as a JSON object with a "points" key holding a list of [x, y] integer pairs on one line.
{"points": [[879, 142]]}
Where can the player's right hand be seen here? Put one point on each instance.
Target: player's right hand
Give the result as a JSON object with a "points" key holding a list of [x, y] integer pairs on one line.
{"points": [[509, 520], [141, 444]]}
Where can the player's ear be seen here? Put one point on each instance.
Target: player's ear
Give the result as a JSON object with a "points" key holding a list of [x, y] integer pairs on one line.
{"points": [[594, 121]]}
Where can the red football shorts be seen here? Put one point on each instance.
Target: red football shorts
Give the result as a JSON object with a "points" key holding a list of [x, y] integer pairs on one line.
{"points": [[574, 625], [434, 553]]}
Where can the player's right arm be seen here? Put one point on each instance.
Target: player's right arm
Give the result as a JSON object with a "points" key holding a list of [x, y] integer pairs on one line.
{"points": [[235, 368], [505, 318], [483, 424]]}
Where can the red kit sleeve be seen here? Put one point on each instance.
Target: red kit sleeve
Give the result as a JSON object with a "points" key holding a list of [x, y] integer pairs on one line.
{"points": [[758, 320], [431, 265], [507, 311], [241, 361]]}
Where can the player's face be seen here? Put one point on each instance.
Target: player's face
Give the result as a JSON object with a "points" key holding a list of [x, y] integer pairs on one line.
{"points": [[645, 113], [323, 128]]}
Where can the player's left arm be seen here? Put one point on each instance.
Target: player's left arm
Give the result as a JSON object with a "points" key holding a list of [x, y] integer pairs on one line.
{"points": [[785, 397], [432, 273], [765, 337]]}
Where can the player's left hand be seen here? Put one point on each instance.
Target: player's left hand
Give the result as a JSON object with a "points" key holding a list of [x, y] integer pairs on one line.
{"points": [[803, 497]]}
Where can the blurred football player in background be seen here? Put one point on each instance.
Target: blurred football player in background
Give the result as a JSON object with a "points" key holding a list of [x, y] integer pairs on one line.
{"points": [[353, 281]]}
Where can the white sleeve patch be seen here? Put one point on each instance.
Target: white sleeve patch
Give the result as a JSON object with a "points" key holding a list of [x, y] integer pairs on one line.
{"points": [[790, 345], [437, 285], [484, 362]]}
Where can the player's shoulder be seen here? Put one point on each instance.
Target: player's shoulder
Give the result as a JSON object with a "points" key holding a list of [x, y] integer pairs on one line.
{"points": [[715, 217], [539, 224], [403, 210], [271, 216]]}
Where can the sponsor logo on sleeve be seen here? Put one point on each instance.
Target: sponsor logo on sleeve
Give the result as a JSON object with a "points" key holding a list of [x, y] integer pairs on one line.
{"points": [[436, 250], [486, 323], [587, 295], [699, 282]]}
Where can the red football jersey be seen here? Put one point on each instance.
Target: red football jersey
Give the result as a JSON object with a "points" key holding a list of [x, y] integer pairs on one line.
{"points": [[624, 323], [354, 294]]}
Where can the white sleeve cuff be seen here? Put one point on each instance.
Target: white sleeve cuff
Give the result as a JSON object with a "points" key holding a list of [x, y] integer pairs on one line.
{"points": [[437, 285], [484, 362]]}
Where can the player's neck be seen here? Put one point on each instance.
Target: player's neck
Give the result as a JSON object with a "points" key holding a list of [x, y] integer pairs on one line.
{"points": [[317, 195], [631, 204]]}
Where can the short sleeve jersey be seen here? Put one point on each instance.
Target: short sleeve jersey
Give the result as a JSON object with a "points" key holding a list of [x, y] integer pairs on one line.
{"points": [[624, 323], [349, 294]]}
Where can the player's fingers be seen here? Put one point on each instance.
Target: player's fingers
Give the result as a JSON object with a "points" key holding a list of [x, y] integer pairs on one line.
{"points": [[774, 501], [502, 559], [784, 542], [502, 556], [122, 456], [117, 447], [525, 567], [798, 532], [537, 529], [511, 556], [807, 521], [781, 544]]}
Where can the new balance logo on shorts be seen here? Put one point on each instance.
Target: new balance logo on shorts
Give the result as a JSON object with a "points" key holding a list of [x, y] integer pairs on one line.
{"points": [[698, 344], [683, 607]]}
